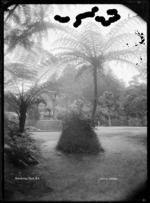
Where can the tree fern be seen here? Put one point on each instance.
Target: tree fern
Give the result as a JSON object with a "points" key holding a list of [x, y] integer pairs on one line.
{"points": [[89, 48]]}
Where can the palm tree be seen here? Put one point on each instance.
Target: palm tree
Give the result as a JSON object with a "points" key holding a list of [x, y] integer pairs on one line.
{"points": [[90, 50]]}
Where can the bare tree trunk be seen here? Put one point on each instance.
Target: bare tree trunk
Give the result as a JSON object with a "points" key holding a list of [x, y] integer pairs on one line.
{"points": [[95, 92]]}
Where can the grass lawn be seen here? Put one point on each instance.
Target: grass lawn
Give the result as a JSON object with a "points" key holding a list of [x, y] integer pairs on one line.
{"points": [[108, 176]]}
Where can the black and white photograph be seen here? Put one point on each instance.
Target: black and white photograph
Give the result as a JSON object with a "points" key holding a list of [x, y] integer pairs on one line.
{"points": [[75, 102]]}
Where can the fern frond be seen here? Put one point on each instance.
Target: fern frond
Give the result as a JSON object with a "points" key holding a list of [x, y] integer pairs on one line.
{"points": [[126, 26], [133, 56], [20, 71], [93, 40], [28, 21], [74, 54], [70, 43], [121, 42]]}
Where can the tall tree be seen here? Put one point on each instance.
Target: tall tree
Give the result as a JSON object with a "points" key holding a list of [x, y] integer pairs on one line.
{"points": [[90, 50]]}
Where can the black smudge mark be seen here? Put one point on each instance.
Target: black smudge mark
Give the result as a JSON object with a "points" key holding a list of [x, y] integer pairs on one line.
{"points": [[85, 15], [62, 19], [113, 19]]}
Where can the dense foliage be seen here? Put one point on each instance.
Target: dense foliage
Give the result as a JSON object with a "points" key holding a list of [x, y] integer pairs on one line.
{"points": [[20, 152], [134, 104]]}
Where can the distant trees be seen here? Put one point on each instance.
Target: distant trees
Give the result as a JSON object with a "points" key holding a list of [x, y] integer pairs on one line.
{"points": [[134, 103], [107, 101], [108, 82]]}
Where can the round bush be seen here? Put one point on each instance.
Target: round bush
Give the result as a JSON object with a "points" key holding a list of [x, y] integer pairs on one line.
{"points": [[78, 136]]}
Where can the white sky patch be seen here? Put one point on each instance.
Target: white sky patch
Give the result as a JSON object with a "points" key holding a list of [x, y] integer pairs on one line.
{"points": [[123, 72]]}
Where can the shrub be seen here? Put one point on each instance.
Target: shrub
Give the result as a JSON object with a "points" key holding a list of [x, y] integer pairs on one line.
{"points": [[78, 135]]}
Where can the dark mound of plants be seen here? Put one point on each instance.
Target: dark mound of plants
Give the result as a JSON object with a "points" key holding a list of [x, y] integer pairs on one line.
{"points": [[78, 135]]}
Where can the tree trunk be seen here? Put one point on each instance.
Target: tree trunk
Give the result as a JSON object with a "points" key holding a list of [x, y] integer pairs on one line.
{"points": [[49, 115], [109, 119], [95, 92], [54, 105], [22, 119]]}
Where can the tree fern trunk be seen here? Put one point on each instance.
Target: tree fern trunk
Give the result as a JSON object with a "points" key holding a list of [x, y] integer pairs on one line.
{"points": [[22, 119], [95, 92]]}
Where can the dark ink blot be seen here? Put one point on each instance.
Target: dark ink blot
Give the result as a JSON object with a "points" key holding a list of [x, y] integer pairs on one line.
{"points": [[62, 19], [141, 35], [102, 20], [85, 15], [113, 19], [141, 58], [95, 9], [136, 63]]}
